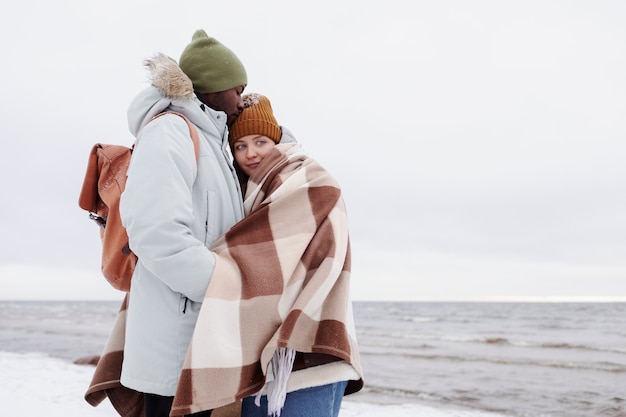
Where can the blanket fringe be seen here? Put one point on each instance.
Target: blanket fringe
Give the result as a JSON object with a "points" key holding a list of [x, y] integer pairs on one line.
{"points": [[281, 365]]}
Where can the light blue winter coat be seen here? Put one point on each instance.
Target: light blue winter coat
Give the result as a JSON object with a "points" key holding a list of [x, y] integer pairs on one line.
{"points": [[173, 209]]}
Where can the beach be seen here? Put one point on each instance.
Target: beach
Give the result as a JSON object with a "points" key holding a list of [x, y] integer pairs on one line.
{"points": [[420, 359], [35, 385]]}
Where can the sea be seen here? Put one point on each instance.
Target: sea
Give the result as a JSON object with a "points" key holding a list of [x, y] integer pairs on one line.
{"points": [[516, 359]]}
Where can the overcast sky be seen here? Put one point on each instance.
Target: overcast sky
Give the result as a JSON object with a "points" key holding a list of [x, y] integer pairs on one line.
{"points": [[481, 145]]}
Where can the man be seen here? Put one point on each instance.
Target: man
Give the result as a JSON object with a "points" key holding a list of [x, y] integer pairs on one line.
{"points": [[174, 206]]}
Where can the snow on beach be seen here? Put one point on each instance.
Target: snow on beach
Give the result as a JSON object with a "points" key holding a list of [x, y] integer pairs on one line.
{"points": [[36, 384]]}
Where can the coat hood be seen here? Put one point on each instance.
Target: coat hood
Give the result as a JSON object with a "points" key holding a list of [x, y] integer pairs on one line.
{"points": [[167, 76], [170, 89], [287, 136]]}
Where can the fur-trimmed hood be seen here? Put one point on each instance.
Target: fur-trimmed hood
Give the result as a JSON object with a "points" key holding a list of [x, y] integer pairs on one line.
{"points": [[170, 89], [166, 75]]}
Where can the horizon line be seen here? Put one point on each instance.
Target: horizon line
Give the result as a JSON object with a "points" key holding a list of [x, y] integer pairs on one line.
{"points": [[515, 299]]}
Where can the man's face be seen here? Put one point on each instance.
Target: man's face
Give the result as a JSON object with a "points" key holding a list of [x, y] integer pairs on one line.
{"points": [[228, 101]]}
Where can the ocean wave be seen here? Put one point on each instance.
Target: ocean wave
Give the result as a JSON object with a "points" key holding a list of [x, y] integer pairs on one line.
{"points": [[389, 338], [604, 366], [374, 391], [613, 349], [419, 319], [461, 404]]}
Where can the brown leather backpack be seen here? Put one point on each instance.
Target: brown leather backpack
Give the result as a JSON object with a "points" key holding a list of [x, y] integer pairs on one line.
{"points": [[103, 185]]}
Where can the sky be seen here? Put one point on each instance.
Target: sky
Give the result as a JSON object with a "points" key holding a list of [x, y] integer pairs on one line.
{"points": [[480, 145]]}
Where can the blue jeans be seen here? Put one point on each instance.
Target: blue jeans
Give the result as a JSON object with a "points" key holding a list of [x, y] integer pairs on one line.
{"points": [[322, 401]]}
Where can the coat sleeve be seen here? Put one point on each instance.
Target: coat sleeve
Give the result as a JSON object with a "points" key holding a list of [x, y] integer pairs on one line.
{"points": [[157, 209]]}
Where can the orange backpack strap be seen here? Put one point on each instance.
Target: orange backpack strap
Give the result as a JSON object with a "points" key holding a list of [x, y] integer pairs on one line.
{"points": [[192, 130]]}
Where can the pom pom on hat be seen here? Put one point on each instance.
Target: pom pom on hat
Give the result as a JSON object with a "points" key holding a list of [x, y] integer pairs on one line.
{"points": [[211, 66], [256, 118]]}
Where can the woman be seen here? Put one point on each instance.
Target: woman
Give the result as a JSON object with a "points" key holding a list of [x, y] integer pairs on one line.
{"points": [[276, 326]]}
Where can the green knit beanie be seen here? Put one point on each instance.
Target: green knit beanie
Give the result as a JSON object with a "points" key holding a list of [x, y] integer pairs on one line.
{"points": [[211, 66]]}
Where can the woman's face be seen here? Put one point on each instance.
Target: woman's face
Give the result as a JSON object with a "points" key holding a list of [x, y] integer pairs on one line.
{"points": [[250, 150]]}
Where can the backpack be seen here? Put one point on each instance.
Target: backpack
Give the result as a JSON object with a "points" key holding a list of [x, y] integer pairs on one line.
{"points": [[102, 188]]}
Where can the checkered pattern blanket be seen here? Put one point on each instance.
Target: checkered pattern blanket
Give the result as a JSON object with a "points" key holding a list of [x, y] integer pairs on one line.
{"points": [[282, 280], [106, 378]]}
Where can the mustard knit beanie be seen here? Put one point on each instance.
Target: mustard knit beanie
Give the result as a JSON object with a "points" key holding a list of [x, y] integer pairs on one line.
{"points": [[211, 66], [256, 118]]}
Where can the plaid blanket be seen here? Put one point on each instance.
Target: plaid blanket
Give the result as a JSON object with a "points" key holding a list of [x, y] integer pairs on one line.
{"points": [[282, 280], [106, 378]]}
